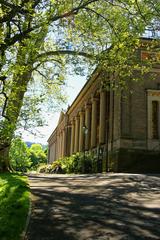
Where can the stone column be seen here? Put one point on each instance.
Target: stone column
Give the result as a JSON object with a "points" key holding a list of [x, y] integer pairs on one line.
{"points": [[159, 119], [63, 142], [72, 136], [94, 123], [54, 153], [149, 117], [58, 145], [76, 142], [102, 120], [81, 132], [68, 140], [88, 126]]}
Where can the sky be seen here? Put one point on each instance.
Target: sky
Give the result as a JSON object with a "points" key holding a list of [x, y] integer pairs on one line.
{"points": [[75, 84]]}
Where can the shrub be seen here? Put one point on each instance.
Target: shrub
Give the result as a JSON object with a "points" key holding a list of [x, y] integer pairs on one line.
{"points": [[19, 155], [55, 167], [42, 168], [37, 155], [77, 163], [87, 164], [70, 164]]}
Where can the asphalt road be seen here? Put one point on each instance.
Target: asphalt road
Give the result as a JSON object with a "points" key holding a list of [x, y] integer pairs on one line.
{"points": [[95, 207]]}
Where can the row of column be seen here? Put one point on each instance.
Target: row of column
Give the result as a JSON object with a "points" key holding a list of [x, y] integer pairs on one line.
{"points": [[84, 125]]}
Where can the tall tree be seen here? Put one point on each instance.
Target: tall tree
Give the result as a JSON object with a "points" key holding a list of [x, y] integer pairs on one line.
{"points": [[42, 35]]}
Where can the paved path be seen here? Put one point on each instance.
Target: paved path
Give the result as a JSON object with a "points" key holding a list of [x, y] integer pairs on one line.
{"points": [[95, 207]]}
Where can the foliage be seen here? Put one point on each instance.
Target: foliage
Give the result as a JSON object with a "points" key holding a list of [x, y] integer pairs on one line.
{"points": [[42, 168], [56, 167], [14, 205], [46, 150], [24, 158], [20, 155], [37, 155], [77, 163]]}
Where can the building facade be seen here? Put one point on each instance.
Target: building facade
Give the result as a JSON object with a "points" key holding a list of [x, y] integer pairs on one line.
{"points": [[120, 129]]}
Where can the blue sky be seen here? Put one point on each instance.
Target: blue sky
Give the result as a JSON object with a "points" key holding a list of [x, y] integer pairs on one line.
{"points": [[75, 83]]}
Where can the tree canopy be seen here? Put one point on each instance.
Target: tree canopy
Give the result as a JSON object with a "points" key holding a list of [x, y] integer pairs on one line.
{"points": [[39, 39], [23, 158], [37, 155]]}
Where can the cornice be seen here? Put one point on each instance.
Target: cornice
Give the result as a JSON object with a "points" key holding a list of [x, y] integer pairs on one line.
{"points": [[83, 91]]}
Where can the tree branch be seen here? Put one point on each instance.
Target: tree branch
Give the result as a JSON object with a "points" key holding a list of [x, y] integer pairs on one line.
{"points": [[25, 34], [45, 61], [73, 11], [15, 9], [2, 79], [65, 52], [41, 73], [106, 19]]}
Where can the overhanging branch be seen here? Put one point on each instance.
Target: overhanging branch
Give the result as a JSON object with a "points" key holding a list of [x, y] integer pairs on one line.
{"points": [[20, 36], [65, 52]]}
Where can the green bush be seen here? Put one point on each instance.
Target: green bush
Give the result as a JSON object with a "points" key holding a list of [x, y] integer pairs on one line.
{"points": [[87, 163], [55, 167], [42, 168], [19, 155], [37, 155], [77, 163], [70, 164]]}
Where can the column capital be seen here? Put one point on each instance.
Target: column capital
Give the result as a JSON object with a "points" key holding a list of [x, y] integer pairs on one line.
{"points": [[68, 126], [76, 117], [81, 113], [94, 99], [58, 133], [102, 89], [72, 121], [87, 106]]}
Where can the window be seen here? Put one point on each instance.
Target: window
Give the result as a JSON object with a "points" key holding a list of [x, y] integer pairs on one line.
{"points": [[155, 119], [153, 99]]}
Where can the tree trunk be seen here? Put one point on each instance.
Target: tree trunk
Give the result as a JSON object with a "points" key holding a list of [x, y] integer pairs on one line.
{"points": [[4, 160], [8, 127]]}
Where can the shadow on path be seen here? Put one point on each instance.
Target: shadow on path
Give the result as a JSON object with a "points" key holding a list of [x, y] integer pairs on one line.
{"points": [[95, 207]]}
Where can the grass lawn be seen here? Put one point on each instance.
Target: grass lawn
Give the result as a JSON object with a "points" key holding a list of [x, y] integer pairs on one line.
{"points": [[14, 205]]}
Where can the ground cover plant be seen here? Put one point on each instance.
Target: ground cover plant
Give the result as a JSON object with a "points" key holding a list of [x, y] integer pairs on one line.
{"points": [[14, 205]]}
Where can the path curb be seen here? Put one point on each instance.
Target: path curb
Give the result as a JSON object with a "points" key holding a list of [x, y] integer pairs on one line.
{"points": [[23, 234]]}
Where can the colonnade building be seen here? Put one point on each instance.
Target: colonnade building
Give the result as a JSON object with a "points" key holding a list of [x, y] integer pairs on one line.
{"points": [[121, 129]]}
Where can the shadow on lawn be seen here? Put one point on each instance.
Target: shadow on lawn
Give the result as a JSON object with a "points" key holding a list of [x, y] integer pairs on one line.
{"points": [[109, 207], [14, 204]]}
